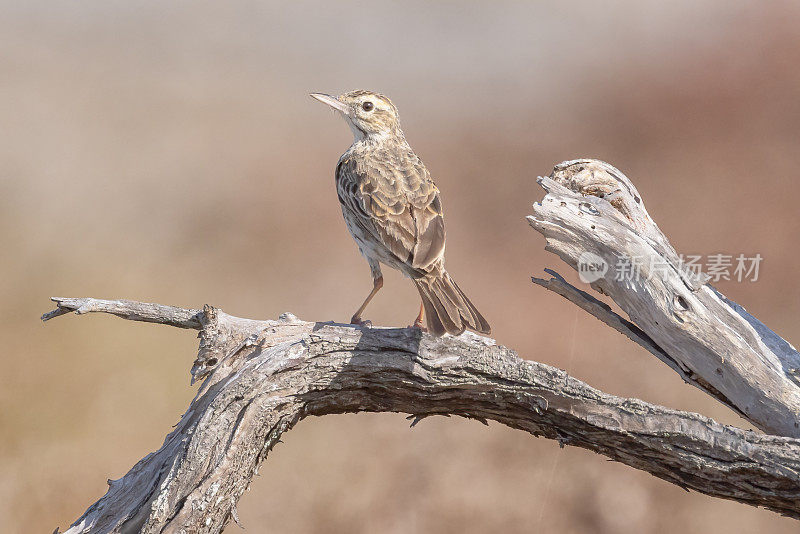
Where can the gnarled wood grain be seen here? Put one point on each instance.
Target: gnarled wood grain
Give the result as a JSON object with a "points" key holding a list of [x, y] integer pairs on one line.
{"points": [[710, 341], [262, 377]]}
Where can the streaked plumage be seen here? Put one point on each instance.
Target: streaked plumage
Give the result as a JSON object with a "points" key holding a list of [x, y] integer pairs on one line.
{"points": [[393, 210]]}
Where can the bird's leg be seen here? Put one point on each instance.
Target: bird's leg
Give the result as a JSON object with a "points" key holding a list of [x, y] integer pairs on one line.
{"points": [[377, 283], [419, 322]]}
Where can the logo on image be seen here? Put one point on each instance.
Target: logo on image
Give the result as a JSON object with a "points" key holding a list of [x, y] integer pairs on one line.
{"points": [[591, 267]]}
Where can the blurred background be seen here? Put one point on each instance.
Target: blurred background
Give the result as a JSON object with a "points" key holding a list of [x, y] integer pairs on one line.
{"points": [[169, 152]]}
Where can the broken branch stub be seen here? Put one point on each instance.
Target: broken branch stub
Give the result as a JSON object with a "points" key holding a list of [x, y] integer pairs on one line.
{"points": [[593, 213]]}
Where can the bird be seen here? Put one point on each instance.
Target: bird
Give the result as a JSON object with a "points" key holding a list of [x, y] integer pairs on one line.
{"points": [[393, 210]]}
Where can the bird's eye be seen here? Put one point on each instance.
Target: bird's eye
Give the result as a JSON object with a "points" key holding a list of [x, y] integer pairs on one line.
{"points": [[367, 106]]}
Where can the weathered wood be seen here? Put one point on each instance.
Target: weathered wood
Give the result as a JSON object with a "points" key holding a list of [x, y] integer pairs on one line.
{"points": [[135, 311], [710, 341], [262, 377], [603, 311]]}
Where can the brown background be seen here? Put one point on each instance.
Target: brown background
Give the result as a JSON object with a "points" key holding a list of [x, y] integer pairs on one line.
{"points": [[170, 153]]}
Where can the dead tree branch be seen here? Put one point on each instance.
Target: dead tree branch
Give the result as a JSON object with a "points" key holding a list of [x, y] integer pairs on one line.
{"points": [[594, 219], [262, 377]]}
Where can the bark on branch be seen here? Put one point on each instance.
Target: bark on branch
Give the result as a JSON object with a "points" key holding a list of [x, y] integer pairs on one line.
{"points": [[592, 216], [262, 377]]}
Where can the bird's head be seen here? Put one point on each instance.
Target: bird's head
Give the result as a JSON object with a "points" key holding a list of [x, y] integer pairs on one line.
{"points": [[370, 115]]}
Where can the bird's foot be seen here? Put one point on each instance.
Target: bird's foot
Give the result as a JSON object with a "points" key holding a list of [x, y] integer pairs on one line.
{"points": [[418, 324], [358, 321]]}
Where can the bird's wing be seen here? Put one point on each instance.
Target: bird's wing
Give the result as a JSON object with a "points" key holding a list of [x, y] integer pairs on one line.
{"points": [[393, 197]]}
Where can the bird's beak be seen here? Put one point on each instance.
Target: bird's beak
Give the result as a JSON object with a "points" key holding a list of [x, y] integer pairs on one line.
{"points": [[332, 101]]}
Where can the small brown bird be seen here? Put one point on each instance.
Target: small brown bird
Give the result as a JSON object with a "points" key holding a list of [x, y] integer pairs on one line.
{"points": [[392, 208]]}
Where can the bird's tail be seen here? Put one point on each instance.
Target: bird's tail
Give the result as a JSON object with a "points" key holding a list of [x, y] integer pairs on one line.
{"points": [[447, 308]]}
